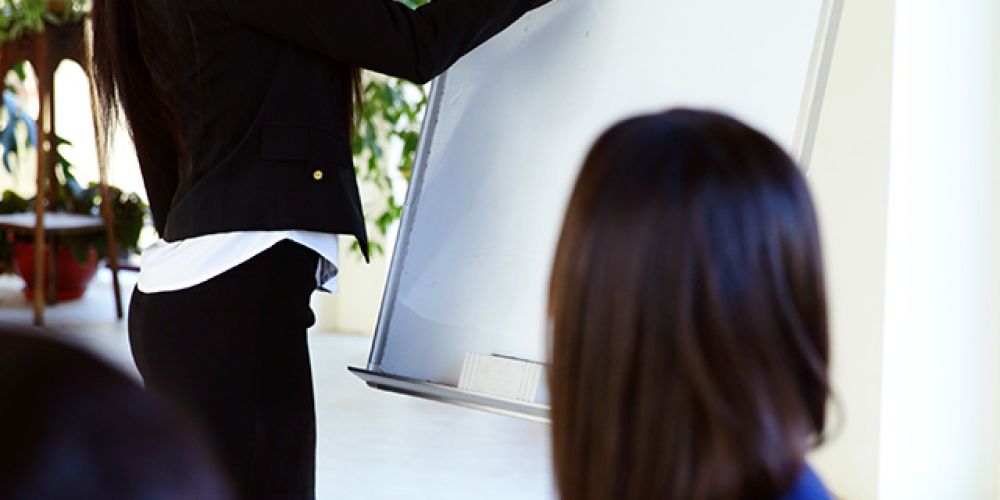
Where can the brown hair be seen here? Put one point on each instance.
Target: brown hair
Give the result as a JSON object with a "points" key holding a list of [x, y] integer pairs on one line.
{"points": [[689, 342]]}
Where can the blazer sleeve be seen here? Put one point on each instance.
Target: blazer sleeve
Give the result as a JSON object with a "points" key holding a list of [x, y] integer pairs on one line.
{"points": [[382, 35]]}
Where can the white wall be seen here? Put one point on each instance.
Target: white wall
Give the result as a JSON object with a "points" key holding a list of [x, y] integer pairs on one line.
{"points": [[996, 235], [941, 337], [913, 251], [849, 177]]}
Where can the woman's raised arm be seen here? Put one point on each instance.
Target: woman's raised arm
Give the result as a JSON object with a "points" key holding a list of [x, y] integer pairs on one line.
{"points": [[381, 35]]}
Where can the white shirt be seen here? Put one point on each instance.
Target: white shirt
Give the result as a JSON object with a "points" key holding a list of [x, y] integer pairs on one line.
{"points": [[168, 267]]}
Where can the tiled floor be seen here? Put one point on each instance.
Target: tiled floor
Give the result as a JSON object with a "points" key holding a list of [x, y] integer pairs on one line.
{"points": [[372, 445]]}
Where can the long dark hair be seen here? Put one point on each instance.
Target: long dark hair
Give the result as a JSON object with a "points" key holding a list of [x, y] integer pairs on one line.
{"points": [[689, 344], [124, 82], [134, 41]]}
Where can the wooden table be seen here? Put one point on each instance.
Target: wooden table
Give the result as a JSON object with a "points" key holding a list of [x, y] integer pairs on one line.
{"points": [[57, 225]]}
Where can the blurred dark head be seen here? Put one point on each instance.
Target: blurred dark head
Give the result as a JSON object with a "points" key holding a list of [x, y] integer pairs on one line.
{"points": [[689, 347], [72, 427]]}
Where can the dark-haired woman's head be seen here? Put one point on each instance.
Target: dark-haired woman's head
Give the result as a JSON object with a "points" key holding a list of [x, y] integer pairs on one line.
{"points": [[689, 347], [73, 427]]}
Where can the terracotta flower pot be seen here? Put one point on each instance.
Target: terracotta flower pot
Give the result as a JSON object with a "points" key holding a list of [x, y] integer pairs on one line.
{"points": [[72, 277]]}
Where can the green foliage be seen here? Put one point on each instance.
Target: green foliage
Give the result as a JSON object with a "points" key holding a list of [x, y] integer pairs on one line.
{"points": [[21, 16], [10, 203], [393, 110], [18, 17], [128, 210], [129, 216]]}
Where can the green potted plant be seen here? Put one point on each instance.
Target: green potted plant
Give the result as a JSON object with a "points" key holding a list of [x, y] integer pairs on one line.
{"points": [[10, 203], [79, 255]]}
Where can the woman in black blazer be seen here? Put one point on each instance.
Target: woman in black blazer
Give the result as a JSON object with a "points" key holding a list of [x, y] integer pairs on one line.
{"points": [[241, 114]]}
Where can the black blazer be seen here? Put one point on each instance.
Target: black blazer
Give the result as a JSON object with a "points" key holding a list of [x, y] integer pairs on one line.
{"points": [[262, 104]]}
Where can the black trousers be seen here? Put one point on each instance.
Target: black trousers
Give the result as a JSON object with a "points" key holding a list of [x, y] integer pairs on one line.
{"points": [[232, 354]]}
